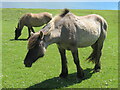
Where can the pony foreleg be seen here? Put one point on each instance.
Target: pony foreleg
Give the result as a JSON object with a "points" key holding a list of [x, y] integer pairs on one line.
{"points": [[80, 73], [64, 71], [32, 30], [29, 33]]}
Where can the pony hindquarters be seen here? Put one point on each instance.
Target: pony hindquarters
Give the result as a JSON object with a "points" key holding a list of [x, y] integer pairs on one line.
{"points": [[97, 48]]}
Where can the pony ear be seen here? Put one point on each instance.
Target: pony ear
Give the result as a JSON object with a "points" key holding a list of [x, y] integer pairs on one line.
{"points": [[31, 33], [41, 35]]}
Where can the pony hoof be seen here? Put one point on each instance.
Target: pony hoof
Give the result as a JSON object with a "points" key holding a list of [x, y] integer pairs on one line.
{"points": [[80, 75], [63, 75], [96, 70], [16, 38], [28, 38]]}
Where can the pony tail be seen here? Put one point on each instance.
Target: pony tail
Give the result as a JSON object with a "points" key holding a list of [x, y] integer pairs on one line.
{"points": [[65, 11]]}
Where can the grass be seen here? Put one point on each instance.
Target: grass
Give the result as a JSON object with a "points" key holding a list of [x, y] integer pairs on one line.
{"points": [[44, 73], [0, 48]]}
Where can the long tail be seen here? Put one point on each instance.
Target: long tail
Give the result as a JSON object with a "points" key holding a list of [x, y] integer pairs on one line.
{"points": [[104, 25]]}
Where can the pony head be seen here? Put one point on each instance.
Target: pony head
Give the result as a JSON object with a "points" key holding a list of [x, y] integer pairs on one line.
{"points": [[36, 48], [17, 33]]}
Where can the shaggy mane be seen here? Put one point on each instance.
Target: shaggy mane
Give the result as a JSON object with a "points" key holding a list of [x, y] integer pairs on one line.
{"points": [[58, 17], [54, 20], [32, 41], [65, 11]]}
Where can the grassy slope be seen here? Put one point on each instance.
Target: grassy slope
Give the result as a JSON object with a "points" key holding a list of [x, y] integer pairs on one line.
{"points": [[45, 71]]}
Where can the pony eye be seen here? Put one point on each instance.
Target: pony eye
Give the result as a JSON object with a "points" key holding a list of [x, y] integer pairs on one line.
{"points": [[40, 44]]}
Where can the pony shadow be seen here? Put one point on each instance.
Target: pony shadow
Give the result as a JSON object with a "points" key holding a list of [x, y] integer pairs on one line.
{"points": [[57, 82], [18, 40]]}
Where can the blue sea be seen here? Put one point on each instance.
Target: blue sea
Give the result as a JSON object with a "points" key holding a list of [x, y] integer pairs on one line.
{"points": [[61, 5]]}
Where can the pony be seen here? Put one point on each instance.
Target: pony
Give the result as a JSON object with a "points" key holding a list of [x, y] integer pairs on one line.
{"points": [[32, 20], [69, 32]]}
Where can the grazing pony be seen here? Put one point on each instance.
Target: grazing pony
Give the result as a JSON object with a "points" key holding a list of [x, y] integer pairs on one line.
{"points": [[32, 20], [69, 32]]}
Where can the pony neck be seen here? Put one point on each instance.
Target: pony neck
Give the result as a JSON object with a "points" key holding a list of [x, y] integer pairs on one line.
{"points": [[20, 26], [51, 39]]}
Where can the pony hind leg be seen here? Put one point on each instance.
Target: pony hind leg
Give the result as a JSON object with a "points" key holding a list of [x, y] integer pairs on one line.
{"points": [[97, 52], [95, 57], [92, 56], [29, 33], [32, 30]]}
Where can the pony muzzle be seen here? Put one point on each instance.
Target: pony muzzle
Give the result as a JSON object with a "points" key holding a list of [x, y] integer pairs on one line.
{"points": [[27, 64]]}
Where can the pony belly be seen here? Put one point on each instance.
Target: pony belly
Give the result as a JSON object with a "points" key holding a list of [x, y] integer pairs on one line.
{"points": [[88, 37], [87, 41], [36, 22]]}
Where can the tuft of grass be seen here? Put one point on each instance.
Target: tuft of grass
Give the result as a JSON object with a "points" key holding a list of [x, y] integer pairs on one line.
{"points": [[44, 73]]}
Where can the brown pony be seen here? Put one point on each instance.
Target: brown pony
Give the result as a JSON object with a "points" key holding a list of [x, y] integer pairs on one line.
{"points": [[32, 20], [69, 32]]}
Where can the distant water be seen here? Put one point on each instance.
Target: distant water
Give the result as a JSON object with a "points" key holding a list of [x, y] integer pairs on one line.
{"points": [[61, 5]]}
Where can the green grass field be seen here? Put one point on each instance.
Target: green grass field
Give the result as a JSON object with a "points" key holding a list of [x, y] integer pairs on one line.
{"points": [[44, 73]]}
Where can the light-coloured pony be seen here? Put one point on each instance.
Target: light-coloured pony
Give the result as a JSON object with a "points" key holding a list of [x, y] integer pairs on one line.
{"points": [[69, 32], [32, 20]]}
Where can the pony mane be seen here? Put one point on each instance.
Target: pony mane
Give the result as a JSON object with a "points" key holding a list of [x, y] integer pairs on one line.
{"points": [[58, 17], [65, 11], [32, 41], [54, 20]]}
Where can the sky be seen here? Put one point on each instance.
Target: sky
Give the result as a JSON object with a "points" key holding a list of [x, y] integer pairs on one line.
{"points": [[60, 0], [60, 5]]}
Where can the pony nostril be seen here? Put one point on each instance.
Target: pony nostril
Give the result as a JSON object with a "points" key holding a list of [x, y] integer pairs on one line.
{"points": [[28, 65]]}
